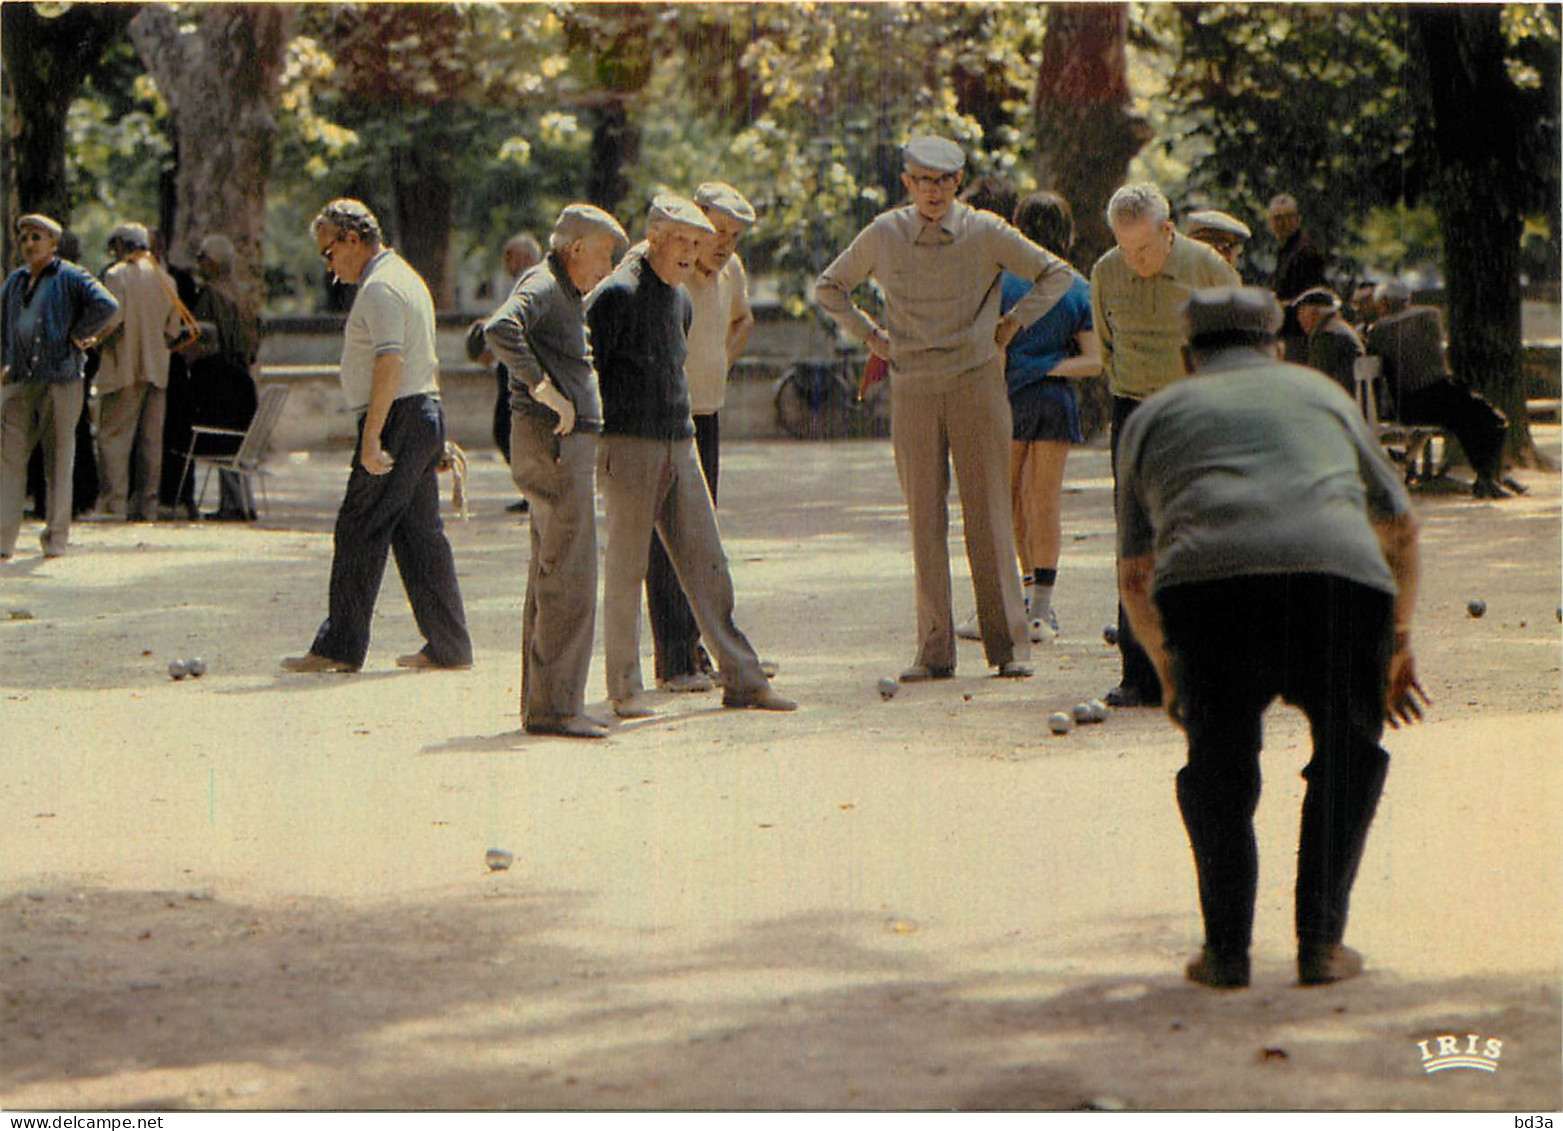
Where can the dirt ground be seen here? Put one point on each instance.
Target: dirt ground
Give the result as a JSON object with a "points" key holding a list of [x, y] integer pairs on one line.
{"points": [[263, 891]]}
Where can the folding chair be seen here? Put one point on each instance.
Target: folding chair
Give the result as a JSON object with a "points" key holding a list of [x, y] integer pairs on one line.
{"points": [[248, 447], [1415, 441]]}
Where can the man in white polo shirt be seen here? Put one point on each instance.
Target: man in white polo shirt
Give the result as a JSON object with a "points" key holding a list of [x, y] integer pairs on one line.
{"points": [[390, 377], [719, 294]]}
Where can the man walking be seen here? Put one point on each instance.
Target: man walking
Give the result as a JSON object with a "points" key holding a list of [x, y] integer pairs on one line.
{"points": [[718, 330], [939, 263], [1267, 549], [390, 377], [50, 311], [639, 317], [1137, 291], [132, 377], [539, 336]]}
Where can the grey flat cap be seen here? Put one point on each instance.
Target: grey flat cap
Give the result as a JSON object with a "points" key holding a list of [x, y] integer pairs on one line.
{"points": [[39, 220], [726, 200], [667, 208], [1217, 312], [936, 153], [1209, 219], [577, 221], [131, 235], [1318, 296]]}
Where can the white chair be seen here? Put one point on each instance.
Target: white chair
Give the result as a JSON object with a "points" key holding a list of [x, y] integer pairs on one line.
{"points": [[1413, 441], [248, 446]]}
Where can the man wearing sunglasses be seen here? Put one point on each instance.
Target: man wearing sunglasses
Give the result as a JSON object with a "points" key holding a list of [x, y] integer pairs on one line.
{"points": [[390, 376], [51, 311], [938, 263]]}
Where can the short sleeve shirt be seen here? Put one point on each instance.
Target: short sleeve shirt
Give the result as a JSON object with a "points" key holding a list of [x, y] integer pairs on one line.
{"points": [[1036, 351], [392, 313]]}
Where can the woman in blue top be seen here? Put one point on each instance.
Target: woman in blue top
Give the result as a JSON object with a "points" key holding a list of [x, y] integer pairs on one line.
{"points": [[1042, 360]]}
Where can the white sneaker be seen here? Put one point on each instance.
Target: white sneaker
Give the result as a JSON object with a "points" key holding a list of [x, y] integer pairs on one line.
{"points": [[1043, 633], [968, 629]]}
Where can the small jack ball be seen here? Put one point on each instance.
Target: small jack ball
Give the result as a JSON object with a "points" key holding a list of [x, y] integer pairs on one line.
{"points": [[1110, 635], [177, 669], [1476, 608], [196, 667]]}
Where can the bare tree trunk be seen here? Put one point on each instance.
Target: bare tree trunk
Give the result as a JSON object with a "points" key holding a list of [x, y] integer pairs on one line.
{"points": [[1477, 149], [425, 203], [220, 79], [1086, 134], [46, 59]]}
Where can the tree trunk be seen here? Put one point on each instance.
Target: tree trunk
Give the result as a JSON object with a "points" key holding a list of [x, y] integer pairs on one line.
{"points": [[615, 144], [1477, 152], [425, 202], [46, 60], [1086, 135], [221, 82]]}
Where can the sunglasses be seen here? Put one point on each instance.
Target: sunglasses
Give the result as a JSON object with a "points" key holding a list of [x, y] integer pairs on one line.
{"points": [[330, 248]]}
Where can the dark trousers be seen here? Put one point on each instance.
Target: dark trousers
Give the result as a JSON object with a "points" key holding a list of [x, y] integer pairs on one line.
{"points": [[1475, 421], [399, 511], [1138, 671], [1322, 644], [673, 629], [501, 429]]}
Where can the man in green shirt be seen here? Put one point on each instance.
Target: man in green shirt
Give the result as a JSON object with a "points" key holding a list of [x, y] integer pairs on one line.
{"points": [[1138, 290]]}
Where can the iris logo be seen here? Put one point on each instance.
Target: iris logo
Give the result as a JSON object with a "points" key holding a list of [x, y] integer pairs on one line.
{"points": [[1475, 1053]]}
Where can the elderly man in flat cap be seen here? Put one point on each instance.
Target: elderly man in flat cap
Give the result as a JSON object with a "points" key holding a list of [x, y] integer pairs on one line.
{"points": [[132, 379], [1220, 230], [539, 335], [1333, 346], [650, 477], [1267, 549], [1137, 291], [939, 263], [391, 381], [719, 294], [51, 310]]}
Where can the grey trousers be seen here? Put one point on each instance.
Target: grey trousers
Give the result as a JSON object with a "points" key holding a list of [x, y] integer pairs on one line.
{"points": [[30, 412], [658, 485], [969, 425], [130, 421], [556, 474]]}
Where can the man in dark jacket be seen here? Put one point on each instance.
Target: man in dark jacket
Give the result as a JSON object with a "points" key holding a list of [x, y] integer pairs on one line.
{"points": [[1298, 267], [539, 337], [1421, 390], [651, 478], [1333, 346], [51, 310]]}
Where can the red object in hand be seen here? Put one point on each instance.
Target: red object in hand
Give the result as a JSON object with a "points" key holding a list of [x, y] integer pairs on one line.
{"points": [[874, 372]]}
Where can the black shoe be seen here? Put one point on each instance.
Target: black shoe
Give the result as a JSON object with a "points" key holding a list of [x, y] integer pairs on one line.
{"points": [[1321, 965], [1127, 695], [520, 506], [1514, 486], [1219, 972], [1487, 487], [229, 516]]}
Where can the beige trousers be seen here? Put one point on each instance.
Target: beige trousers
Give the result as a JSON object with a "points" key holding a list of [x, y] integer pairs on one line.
{"points": [[30, 412], [968, 426], [130, 422]]}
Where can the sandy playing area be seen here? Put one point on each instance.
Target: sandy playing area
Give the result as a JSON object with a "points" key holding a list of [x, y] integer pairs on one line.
{"points": [[259, 891]]}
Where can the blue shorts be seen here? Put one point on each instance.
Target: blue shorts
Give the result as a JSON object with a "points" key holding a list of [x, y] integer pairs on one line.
{"points": [[1046, 410]]}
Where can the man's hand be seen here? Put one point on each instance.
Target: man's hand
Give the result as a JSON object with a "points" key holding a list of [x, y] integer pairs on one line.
{"points": [[1005, 331], [878, 344], [546, 393], [1400, 699], [376, 460]]}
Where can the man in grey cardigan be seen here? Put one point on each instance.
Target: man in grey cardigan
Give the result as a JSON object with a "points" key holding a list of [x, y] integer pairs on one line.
{"points": [[939, 262], [539, 333]]}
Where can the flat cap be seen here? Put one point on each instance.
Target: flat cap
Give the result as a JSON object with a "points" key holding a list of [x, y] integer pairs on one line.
{"points": [[937, 153], [1216, 312], [726, 200], [1210, 220], [1318, 296], [39, 220], [131, 235], [577, 221], [667, 208]]}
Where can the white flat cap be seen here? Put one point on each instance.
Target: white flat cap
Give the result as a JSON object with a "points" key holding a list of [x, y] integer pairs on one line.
{"points": [[667, 208], [578, 221], [726, 200], [1209, 219], [1215, 312], [937, 153], [131, 235]]}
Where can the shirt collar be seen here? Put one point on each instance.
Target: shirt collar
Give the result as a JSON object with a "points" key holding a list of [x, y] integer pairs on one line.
{"points": [[373, 265], [562, 276], [947, 227]]}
